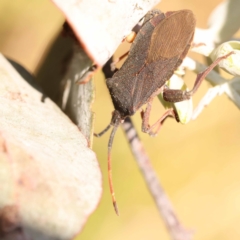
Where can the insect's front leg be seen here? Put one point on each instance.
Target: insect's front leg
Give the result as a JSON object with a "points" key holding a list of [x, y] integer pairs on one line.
{"points": [[103, 131], [172, 95], [117, 60]]}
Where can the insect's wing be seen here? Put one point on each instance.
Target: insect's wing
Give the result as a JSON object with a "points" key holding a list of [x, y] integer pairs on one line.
{"points": [[170, 42], [170, 37], [124, 83]]}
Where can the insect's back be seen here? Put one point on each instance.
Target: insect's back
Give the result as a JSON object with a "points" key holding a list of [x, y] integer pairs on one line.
{"points": [[157, 51]]}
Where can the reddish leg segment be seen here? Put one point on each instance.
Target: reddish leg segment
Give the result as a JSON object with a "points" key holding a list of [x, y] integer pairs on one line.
{"points": [[172, 95], [117, 60], [145, 120]]}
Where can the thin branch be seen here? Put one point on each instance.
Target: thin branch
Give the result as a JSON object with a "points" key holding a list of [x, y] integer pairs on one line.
{"points": [[176, 230]]}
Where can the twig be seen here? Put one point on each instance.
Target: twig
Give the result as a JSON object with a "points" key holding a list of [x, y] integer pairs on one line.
{"points": [[176, 230]]}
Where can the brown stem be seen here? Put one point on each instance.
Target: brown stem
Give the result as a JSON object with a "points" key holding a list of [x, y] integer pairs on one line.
{"points": [[176, 230]]}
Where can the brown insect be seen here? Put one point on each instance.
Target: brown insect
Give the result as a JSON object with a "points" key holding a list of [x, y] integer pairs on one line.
{"points": [[157, 51]]}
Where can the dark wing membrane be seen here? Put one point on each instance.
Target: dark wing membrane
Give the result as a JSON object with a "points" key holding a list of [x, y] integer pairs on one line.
{"points": [[170, 37], [170, 42], [141, 43], [125, 82]]}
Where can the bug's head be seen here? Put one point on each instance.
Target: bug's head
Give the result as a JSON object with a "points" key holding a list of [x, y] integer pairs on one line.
{"points": [[117, 118]]}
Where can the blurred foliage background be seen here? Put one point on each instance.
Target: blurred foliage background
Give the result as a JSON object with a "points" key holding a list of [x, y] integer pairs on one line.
{"points": [[198, 164]]}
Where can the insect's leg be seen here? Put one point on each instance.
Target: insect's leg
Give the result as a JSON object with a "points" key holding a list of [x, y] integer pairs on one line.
{"points": [[145, 116], [117, 60], [158, 123], [145, 119], [169, 113], [172, 95], [130, 37], [103, 131]]}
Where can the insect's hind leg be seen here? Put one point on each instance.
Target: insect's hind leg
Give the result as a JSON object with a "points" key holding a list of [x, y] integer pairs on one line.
{"points": [[171, 95]]}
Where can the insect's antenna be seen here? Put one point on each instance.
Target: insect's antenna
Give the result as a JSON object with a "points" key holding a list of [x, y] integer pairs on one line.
{"points": [[103, 131], [110, 167]]}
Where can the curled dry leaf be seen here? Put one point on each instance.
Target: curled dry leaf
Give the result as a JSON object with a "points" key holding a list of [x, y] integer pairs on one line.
{"points": [[48, 175]]}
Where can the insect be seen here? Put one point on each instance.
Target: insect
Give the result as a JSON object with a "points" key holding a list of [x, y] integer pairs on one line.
{"points": [[157, 51]]}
